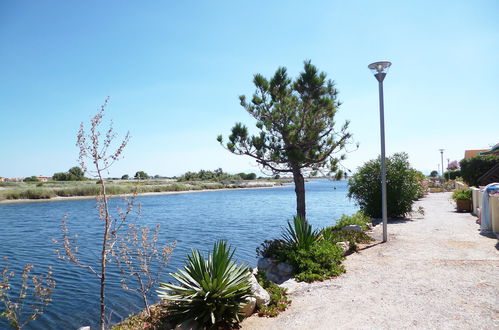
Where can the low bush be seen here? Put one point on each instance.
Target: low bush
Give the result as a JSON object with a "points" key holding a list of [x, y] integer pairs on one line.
{"points": [[275, 249], [211, 290], [35, 193], [300, 234], [403, 184], [462, 194], [452, 174], [358, 219], [278, 297], [333, 235], [313, 255], [320, 261]]}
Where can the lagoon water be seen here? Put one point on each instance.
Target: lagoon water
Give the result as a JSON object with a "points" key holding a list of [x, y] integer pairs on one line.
{"points": [[196, 220]]}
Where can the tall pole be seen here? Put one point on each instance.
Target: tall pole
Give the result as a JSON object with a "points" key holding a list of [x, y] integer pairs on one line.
{"points": [[380, 77], [448, 170], [442, 156], [380, 69]]}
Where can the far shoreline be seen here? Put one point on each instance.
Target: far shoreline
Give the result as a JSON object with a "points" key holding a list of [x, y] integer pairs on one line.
{"points": [[72, 198]]}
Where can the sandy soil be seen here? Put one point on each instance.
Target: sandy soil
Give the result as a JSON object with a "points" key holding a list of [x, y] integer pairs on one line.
{"points": [[435, 272]]}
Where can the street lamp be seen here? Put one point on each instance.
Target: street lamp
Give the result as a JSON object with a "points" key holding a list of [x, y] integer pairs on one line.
{"points": [[380, 69], [442, 159]]}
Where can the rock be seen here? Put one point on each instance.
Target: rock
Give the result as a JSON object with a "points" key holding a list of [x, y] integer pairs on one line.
{"points": [[291, 285], [352, 227], [249, 308], [344, 245], [273, 277], [369, 225], [284, 269], [264, 263], [84, 328], [188, 325], [261, 295]]}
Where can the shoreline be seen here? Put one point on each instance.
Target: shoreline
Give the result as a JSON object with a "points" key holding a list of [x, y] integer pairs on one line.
{"points": [[72, 198]]}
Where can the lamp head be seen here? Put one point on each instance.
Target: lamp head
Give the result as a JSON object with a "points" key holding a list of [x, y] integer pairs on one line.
{"points": [[379, 69]]}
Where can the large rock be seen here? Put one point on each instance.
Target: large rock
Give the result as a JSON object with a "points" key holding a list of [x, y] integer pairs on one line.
{"points": [[344, 245], [284, 269], [264, 263], [249, 307], [276, 271], [261, 295], [352, 227]]}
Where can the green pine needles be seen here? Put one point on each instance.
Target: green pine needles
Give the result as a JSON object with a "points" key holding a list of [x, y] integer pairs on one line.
{"points": [[296, 125], [210, 291]]}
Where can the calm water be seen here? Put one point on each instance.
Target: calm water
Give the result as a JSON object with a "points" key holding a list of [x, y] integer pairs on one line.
{"points": [[242, 217]]}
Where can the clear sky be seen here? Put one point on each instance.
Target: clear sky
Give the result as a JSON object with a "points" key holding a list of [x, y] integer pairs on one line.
{"points": [[174, 71]]}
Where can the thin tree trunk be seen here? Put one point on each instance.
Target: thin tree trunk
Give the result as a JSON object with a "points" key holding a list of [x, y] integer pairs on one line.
{"points": [[104, 252], [300, 192]]}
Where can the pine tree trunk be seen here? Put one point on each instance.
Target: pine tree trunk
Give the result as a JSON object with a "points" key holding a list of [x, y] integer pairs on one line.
{"points": [[300, 192]]}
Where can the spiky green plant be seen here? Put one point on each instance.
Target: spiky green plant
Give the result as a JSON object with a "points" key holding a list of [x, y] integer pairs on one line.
{"points": [[300, 235], [210, 291]]}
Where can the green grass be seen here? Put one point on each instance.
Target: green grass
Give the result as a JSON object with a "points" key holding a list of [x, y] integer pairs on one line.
{"points": [[47, 190]]}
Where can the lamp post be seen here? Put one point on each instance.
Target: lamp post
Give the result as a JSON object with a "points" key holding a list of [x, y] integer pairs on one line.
{"points": [[442, 157], [380, 69]]}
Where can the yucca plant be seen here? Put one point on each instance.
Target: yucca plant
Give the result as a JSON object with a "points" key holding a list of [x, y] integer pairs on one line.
{"points": [[300, 235], [210, 291]]}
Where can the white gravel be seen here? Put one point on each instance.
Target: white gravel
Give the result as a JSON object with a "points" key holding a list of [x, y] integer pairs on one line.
{"points": [[435, 272]]}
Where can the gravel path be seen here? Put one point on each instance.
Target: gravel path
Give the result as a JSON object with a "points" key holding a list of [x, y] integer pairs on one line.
{"points": [[435, 272]]}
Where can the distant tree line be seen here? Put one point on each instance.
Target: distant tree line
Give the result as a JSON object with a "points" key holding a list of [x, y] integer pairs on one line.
{"points": [[216, 175]]}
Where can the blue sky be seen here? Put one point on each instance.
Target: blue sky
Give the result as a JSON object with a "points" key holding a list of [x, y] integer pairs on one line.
{"points": [[174, 72]]}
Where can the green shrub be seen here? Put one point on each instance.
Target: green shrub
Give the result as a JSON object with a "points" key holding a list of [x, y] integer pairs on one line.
{"points": [[300, 235], [462, 194], [320, 261], [31, 179], [359, 219], [314, 255], [278, 297], [211, 291], [473, 168], [333, 235], [275, 249], [452, 175], [403, 186]]}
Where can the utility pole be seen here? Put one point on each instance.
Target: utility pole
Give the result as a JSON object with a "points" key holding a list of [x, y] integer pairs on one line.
{"points": [[442, 156]]}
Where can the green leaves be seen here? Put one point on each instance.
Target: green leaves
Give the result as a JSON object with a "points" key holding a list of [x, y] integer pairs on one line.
{"points": [[295, 119], [402, 181], [210, 291], [300, 235]]}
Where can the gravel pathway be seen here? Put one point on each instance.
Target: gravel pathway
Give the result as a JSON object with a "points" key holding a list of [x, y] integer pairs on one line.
{"points": [[435, 272]]}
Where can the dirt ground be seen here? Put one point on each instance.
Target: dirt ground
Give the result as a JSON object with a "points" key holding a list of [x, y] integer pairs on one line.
{"points": [[435, 272]]}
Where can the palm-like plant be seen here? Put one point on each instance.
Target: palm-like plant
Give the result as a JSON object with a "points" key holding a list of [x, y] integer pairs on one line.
{"points": [[300, 235], [210, 291]]}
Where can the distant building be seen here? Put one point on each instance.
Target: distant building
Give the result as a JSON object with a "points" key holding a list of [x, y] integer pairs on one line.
{"points": [[2, 179], [14, 179], [472, 153], [43, 178], [492, 151]]}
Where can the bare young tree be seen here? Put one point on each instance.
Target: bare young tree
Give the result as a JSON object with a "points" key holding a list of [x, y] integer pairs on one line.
{"points": [[31, 300], [96, 158], [138, 255]]}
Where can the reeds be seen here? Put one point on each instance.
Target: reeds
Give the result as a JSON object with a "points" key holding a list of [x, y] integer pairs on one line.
{"points": [[75, 189]]}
